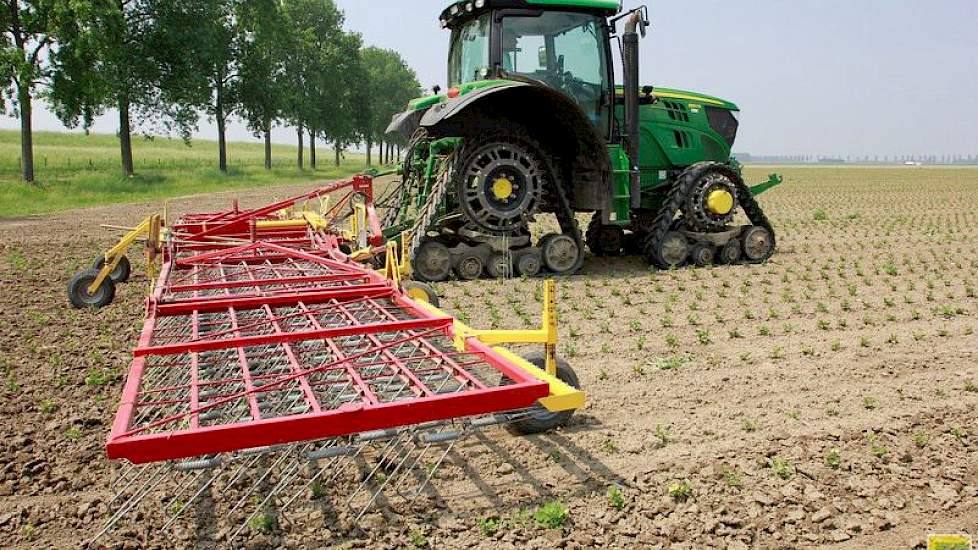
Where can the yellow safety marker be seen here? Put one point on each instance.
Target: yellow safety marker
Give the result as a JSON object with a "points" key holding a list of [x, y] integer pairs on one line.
{"points": [[563, 396]]}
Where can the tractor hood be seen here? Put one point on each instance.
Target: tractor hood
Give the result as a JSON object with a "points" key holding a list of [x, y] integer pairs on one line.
{"points": [[686, 95]]}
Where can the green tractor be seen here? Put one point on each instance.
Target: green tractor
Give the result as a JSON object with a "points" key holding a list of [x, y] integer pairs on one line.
{"points": [[533, 122]]}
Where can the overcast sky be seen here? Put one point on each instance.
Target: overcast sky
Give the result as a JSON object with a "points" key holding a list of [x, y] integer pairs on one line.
{"points": [[825, 77]]}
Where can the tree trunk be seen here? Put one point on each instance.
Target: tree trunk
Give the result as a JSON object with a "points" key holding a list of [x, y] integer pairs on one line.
{"points": [[337, 152], [26, 134], [299, 132], [268, 144], [312, 149], [125, 136], [370, 145], [398, 152], [222, 147], [380, 152]]}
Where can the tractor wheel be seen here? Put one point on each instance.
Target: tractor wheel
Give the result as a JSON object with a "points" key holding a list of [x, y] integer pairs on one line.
{"points": [[501, 180], [469, 268], [417, 290], [604, 240], [433, 262], [78, 293], [542, 420], [121, 272], [702, 255], [499, 266], [528, 265], [758, 244], [712, 200], [730, 253], [672, 251], [560, 253]]}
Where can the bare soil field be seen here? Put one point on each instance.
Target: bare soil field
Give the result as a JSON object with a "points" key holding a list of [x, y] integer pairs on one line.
{"points": [[826, 398]]}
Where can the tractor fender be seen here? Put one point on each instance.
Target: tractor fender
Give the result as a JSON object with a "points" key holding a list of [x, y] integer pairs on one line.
{"points": [[449, 108], [405, 123], [553, 118]]}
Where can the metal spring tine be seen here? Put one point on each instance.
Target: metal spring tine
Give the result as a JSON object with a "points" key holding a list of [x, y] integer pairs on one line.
{"points": [[286, 478], [391, 445], [195, 496], [284, 455], [433, 469], [383, 484], [240, 471], [140, 494]]}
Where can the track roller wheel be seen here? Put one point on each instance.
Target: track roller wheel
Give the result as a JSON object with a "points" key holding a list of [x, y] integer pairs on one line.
{"points": [[758, 244], [121, 272], [672, 251], [729, 253], [604, 240], [78, 293], [419, 291], [433, 262], [560, 253], [469, 268], [528, 265], [542, 420], [499, 266], [702, 255]]}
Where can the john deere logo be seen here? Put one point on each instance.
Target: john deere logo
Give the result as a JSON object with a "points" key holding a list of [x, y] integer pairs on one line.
{"points": [[949, 542]]}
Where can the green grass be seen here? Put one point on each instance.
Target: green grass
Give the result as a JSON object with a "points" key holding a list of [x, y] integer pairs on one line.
{"points": [[75, 170]]}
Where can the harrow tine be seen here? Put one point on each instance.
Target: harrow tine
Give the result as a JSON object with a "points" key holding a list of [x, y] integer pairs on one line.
{"points": [[206, 485], [158, 477]]}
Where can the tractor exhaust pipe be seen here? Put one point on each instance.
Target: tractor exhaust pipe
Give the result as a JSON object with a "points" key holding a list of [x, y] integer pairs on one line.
{"points": [[633, 25]]}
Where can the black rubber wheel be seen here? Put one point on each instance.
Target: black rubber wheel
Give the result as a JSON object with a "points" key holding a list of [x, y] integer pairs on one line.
{"points": [[758, 244], [672, 251], [78, 293], [433, 262], [543, 420], [416, 290], [528, 265], [500, 182], [702, 255], [121, 272], [469, 268], [499, 266], [729, 254], [560, 253]]}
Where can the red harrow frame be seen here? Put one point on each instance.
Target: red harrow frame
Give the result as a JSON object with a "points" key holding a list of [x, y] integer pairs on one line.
{"points": [[268, 352]]}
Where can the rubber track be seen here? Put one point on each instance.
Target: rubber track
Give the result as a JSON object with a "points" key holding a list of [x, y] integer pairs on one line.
{"points": [[674, 200], [678, 193]]}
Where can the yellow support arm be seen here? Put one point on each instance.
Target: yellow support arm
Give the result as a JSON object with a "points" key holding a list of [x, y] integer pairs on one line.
{"points": [[562, 396], [114, 255]]}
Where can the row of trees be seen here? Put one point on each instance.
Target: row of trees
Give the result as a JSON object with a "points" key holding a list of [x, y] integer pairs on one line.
{"points": [[163, 64]]}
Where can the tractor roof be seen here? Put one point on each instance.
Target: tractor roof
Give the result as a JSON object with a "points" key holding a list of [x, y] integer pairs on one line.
{"points": [[461, 9]]}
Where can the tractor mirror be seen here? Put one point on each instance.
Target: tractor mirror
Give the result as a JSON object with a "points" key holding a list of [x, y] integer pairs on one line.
{"points": [[542, 56]]}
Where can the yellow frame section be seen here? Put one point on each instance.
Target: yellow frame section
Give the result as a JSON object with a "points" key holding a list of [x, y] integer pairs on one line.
{"points": [[149, 228], [563, 396]]}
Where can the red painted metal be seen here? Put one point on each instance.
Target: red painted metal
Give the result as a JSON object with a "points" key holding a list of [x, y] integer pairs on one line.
{"points": [[249, 344]]}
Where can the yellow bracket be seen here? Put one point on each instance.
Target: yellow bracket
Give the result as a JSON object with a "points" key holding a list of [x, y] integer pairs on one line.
{"points": [[562, 396], [149, 228]]}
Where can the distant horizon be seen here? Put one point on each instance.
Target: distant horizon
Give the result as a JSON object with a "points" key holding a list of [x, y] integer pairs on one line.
{"points": [[889, 77]]}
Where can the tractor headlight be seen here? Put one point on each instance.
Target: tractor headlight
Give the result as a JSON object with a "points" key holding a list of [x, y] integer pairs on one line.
{"points": [[480, 4], [469, 7]]}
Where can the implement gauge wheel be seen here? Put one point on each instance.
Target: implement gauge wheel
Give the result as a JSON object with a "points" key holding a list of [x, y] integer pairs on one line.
{"points": [[121, 272], [419, 291], [541, 420], [78, 293]]}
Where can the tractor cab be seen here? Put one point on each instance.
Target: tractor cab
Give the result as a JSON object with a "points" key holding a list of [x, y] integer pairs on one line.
{"points": [[564, 46]]}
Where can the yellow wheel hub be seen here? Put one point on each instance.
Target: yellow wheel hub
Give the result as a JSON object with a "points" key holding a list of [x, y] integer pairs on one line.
{"points": [[720, 202], [502, 188]]}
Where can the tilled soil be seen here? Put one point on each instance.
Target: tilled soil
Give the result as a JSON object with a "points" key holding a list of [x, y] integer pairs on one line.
{"points": [[827, 397]]}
